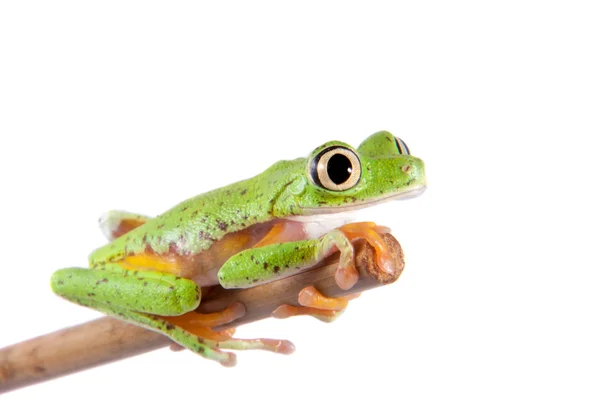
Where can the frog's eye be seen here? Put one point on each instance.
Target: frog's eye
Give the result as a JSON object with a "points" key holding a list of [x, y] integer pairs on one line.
{"points": [[336, 168], [402, 147]]}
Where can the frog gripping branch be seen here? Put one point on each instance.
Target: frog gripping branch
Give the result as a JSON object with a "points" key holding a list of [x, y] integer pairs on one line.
{"points": [[274, 225]]}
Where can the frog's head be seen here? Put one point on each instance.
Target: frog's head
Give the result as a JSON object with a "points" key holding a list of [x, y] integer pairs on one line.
{"points": [[338, 178]]}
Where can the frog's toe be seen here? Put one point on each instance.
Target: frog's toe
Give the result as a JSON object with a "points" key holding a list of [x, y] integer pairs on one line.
{"points": [[372, 232], [311, 297], [315, 304], [274, 345], [286, 311]]}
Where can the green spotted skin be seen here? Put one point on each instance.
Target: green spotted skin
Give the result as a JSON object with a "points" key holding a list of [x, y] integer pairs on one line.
{"points": [[146, 291], [264, 264], [195, 224], [283, 190], [293, 189]]}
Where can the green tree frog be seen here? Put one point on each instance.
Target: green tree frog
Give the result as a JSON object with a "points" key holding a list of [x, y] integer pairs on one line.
{"points": [[273, 225]]}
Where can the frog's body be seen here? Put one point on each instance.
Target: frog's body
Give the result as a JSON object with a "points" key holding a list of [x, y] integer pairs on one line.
{"points": [[241, 235], [194, 231]]}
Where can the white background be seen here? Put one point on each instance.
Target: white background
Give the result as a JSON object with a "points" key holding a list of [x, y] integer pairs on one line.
{"points": [[139, 105]]}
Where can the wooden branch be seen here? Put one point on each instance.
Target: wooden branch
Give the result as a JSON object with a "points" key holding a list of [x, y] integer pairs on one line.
{"points": [[106, 339]]}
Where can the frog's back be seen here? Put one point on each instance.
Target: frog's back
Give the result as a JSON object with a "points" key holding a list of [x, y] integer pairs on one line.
{"points": [[194, 225]]}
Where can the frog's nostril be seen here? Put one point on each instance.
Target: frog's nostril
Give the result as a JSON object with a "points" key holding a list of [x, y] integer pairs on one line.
{"points": [[405, 169]]}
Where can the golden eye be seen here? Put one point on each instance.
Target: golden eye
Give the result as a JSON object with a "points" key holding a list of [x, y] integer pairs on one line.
{"points": [[336, 168], [402, 147]]}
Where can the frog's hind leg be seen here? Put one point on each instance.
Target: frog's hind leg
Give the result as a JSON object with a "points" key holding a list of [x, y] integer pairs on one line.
{"points": [[138, 297], [202, 326], [116, 223], [180, 336]]}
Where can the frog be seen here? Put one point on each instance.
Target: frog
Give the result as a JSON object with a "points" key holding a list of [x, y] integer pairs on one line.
{"points": [[281, 222]]}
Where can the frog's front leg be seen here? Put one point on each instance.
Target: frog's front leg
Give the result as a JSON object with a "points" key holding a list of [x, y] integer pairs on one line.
{"points": [[275, 261]]}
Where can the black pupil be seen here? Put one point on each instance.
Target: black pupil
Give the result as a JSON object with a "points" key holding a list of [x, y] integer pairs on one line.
{"points": [[339, 168]]}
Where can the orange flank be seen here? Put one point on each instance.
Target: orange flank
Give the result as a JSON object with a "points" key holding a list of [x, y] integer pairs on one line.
{"points": [[283, 231], [154, 262], [203, 267]]}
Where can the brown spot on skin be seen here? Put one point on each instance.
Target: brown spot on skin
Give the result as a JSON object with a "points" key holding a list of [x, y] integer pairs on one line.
{"points": [[388, 139], [222, 225], [276, 269], [170, 326], [205, 236], [184, 208], [243, 192], [60, 283], [194, 214], [145, 283], [160, 226], [265, 265], [254, 280], [252, 257]]}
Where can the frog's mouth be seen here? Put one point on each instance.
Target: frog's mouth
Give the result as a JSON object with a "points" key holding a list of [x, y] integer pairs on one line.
{"points": [[318, 221], [310, 212]]}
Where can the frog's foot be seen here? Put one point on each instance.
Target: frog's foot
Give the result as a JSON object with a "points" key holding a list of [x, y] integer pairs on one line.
{"points": [[315, 304], [347, 275], [201, 325], [117, 223]]}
